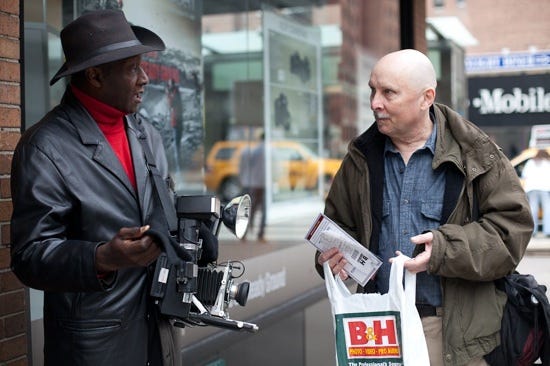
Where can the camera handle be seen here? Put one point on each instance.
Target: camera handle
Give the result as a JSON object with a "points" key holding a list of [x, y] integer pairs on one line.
{"points": [[207, 318], [223, 322]]}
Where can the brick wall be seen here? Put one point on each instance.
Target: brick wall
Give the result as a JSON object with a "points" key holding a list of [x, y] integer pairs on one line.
{"points": [[504, 24], [13, 307]]}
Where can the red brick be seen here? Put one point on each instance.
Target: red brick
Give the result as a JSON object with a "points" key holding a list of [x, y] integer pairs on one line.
{"points": [[12, 348], [10, 6], [13, 302], [10, 93], [9, 25], [5, 234], [8, 139], [5, 191], [5, 164], [15, 324], [10, 71], [9, 48], [10, 116], [515, 25], [6, 209], [4, 258], [8, 282]]}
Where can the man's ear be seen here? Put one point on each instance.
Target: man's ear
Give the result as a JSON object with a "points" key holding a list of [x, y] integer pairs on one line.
{"points": [[94, 76], [428, 98]]}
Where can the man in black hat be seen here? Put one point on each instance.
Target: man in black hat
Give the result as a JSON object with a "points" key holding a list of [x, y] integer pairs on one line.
{"points": [[83, 200]]}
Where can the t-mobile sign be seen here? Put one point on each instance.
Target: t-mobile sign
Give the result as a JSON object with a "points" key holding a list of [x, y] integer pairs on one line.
{"points": [[509, 100]]}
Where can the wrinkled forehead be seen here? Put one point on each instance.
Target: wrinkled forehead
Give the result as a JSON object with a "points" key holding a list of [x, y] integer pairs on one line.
{"points": [[400, 71], [387, 76]]}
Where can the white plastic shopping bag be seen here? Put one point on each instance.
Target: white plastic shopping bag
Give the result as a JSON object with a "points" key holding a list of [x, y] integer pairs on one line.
{"points": [[376, 329]]}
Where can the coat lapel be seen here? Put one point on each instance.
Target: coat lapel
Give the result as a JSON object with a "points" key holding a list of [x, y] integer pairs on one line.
{"points": [[91, 136], [140, 167], [105, 156]]}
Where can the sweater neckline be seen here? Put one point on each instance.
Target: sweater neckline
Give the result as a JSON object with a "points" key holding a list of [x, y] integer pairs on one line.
{"points": [[109, 119]]}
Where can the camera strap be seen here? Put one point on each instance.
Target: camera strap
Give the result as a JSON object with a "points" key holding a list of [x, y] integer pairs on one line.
{"points": [[159, 185]]}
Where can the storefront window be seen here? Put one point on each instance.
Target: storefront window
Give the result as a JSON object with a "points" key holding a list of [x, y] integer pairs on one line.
{"points": [[230, 73], [266, 72]]}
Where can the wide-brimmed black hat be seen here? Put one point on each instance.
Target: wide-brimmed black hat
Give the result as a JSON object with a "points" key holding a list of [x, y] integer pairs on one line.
{"points": [[103, 36]]}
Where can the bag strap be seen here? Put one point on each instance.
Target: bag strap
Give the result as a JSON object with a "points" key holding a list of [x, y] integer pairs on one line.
{"points": [[334, 284], [396, 280], [159, 185], [410, 287]]}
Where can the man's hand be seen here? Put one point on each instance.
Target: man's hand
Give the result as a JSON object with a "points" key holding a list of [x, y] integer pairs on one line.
{"points": [[129, 248], [335, 260], [420, 262]]}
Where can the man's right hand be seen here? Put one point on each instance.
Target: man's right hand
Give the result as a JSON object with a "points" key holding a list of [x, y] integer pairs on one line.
{"points": [[335, 260], [128, 248]]}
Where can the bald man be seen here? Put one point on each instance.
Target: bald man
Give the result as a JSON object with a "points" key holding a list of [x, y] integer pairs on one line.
{"points": [[424, 181]]}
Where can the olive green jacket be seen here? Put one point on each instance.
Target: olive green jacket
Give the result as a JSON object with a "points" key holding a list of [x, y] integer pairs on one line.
{"points": [[482, 240]]}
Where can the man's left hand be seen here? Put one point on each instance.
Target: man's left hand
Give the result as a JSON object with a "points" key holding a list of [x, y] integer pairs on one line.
{"points": [[420, 262]]}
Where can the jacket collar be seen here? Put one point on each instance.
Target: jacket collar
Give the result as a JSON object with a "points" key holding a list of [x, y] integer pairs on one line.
{"points": [[91, 135], [89, 132], [463, 143]]}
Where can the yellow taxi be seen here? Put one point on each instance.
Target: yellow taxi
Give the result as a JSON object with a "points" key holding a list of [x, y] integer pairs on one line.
{"points": [[297, 167]]}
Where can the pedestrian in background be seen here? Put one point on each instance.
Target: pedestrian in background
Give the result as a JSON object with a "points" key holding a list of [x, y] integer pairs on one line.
{"points": [[245, 176], [425, 182], [257, 187], [536, 177]]}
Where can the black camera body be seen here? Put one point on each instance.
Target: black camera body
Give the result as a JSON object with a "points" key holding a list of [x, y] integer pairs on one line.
{"points": [[187, 285]]}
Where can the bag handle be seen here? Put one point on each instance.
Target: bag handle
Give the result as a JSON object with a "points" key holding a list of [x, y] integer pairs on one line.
{"points": [[396, 280], [410, 286], [336, 288]]}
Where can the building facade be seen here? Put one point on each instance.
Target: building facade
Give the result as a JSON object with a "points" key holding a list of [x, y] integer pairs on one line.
{"points": [[507, 64]]}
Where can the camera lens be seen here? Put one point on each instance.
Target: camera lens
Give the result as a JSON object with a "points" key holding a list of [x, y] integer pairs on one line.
{"points": [[240, 293]]}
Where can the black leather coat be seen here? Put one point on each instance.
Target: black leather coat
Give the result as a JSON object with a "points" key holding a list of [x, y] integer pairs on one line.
{"points": [[70, 193]]}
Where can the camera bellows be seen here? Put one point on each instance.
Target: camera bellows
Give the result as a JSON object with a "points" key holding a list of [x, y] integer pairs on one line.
{"points": [[209, 282]]}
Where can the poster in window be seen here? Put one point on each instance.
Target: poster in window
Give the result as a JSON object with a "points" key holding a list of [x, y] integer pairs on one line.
{"points": [[292, 107]]}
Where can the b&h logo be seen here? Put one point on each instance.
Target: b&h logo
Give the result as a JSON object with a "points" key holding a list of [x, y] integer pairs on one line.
{"points": [[369, 339]]}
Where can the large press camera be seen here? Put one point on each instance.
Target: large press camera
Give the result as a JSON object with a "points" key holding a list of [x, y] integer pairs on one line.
{"points": [[193, 293]]}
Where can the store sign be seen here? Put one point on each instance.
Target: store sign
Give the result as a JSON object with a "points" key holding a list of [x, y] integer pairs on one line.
{"points": [[497, 101], [508, 62], [509, 100]]}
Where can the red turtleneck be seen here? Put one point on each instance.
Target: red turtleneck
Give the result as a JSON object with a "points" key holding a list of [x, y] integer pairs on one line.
{"points": [[111, 122]]}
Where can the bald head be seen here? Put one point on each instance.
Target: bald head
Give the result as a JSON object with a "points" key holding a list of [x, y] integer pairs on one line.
{"points": [[402, 87], [410, 66]]}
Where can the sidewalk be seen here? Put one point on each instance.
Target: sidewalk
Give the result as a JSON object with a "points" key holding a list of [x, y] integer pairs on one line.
{"points": [[289, 224], [539, 245]]}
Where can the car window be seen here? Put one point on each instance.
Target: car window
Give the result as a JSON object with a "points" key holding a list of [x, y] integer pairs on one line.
{"points": [[309, 152], [225, 153], [284, 153]]}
